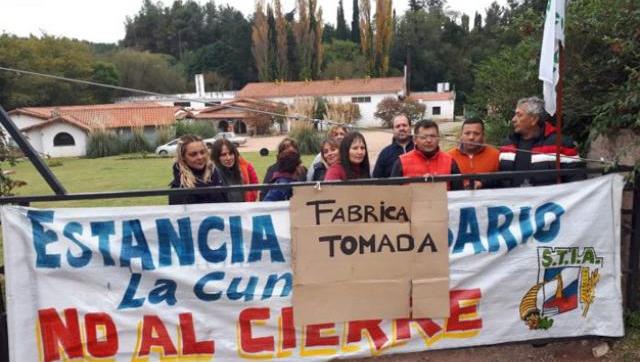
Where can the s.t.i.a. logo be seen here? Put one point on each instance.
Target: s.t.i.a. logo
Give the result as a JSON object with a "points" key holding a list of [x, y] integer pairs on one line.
{"points": [[567, 280]]}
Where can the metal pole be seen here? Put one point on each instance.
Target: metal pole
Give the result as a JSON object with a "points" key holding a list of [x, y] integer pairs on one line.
{"points": [[559, 108], [634, 249], [31, 153]]}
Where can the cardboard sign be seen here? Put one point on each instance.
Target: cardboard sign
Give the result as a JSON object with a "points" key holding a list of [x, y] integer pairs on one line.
{"points": [[370, 252]]}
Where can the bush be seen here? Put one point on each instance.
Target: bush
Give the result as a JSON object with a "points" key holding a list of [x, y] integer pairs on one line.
{"points": [[307, 137], [138, 142], [203, 129], [164, 134], [103, 143]]}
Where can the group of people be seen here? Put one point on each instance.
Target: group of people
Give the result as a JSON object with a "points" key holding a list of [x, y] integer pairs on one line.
{"points": [[344, 156]]}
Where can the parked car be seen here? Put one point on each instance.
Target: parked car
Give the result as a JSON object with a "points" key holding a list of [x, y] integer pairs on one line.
{"points": [[168, 149], [231, 136]]}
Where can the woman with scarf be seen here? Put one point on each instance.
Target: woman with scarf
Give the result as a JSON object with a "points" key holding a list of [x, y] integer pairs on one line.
{"points": [[192, 169], [234, 170], [288, 162]]}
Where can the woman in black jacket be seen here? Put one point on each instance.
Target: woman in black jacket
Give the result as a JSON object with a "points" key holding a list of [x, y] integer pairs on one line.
{"points": [[330, 155], [192, 169]]}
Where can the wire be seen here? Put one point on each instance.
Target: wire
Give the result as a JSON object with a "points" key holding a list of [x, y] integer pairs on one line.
{"points": [[157, 94], [296, 117]]}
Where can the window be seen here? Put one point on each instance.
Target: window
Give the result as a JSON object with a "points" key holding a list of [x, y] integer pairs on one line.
{"points": [[435, 111], [211, 104], [63, 139], [360, 99], [182, 104]]}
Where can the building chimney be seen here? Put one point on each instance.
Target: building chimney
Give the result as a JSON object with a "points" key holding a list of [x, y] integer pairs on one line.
{"points": [[199, 78]]}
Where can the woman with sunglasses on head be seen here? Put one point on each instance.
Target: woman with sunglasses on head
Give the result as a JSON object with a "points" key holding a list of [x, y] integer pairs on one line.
{"points": [[234, 170], [354, 160], [192, 169], [329, 156], [336, 133]]}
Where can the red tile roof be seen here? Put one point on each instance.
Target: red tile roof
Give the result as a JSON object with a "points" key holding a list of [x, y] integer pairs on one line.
{"points": [[65, 119], [118, 115], [433, 96], [323, 88], [238, 108]]}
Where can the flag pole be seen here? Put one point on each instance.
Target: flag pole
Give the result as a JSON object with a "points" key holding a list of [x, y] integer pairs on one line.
{"points": [[559, 107]]}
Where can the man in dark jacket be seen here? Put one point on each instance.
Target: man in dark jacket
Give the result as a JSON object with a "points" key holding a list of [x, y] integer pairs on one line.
{"points": [[402, 143], [532, 146]]}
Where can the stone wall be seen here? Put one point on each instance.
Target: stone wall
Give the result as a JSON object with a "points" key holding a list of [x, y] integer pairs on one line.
{"points": [[626, 146]]}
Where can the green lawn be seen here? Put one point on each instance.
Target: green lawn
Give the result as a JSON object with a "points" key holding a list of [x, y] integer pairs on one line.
{"points": [[117, 173]]}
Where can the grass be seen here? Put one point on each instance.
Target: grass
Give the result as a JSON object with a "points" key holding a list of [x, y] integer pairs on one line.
{"points": [[116, 173]]}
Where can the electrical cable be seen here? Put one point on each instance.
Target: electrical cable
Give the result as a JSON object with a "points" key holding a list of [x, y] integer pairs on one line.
{"points": [[296, 117]]}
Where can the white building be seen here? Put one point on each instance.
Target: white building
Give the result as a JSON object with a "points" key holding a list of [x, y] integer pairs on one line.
{"points": [[64, 131], [439, 106], [367, 93]]}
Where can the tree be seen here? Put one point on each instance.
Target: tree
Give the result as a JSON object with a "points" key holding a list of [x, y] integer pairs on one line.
{"points": [[389, 107], [355, 23], [142, 31], [493, 17], [464, 20], [342, 32], [383, 36], [282, 43], [329, 33], [343, 60], [148, 71], [272, 48], [50, 55], [308, 34], [366, 35], [415, 5], [477, 22], [105, 73], [260, 42]]}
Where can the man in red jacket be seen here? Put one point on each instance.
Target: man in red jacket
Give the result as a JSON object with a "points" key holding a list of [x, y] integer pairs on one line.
{"points": [[426, 159]]}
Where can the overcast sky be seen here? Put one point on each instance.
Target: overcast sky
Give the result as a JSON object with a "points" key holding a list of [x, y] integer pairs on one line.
{"points": [[103, 20]]}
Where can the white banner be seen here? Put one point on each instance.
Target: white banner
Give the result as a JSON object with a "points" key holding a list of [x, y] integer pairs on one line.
{"points": [[205, 281]]}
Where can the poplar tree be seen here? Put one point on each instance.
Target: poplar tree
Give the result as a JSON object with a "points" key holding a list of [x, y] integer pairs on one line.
{"points": [[282, 42], [260, 41], [383, 35], [366, 35]]}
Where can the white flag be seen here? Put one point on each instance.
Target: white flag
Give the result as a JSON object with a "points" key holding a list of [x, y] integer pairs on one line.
{"points": [[550, 55]]}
